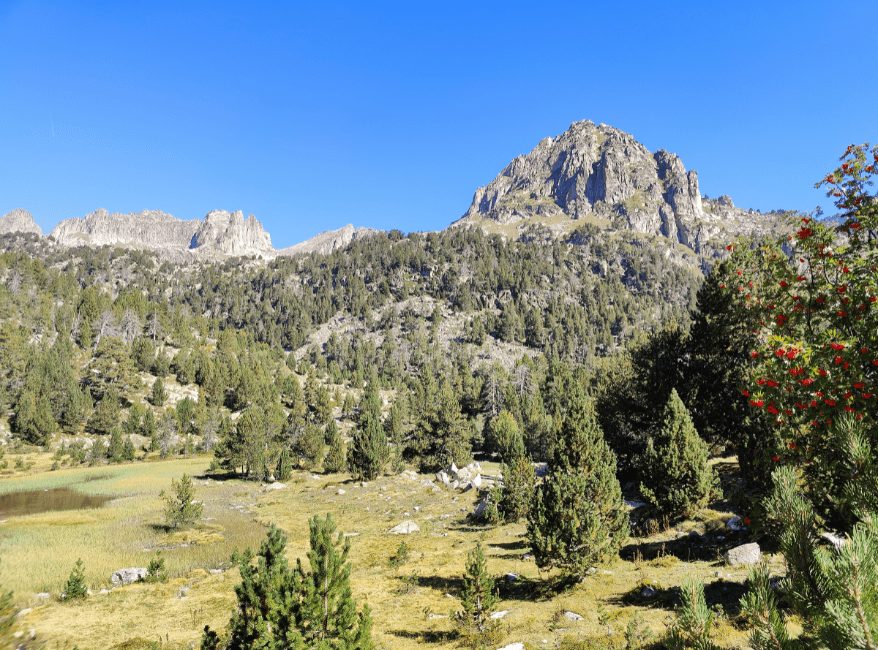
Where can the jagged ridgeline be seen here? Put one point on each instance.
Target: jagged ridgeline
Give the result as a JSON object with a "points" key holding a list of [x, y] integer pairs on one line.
{"points": [[569, 251]]}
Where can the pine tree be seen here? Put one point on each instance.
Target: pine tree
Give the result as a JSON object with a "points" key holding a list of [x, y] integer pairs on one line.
{"points": [[106, 415], [369, 451], [519, 483], [443, 435], [158, 394], [286, 608], [128, 450], [677, 479], [309, 446], [478, 597], [834, 592], [578, 517], [693, 628], [394, 432], [181, 508], [336, 458], [115, 448], [284, 468], [75, 588]]}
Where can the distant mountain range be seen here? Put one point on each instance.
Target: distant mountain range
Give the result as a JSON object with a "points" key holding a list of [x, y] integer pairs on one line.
{"points": [[589, 174]]}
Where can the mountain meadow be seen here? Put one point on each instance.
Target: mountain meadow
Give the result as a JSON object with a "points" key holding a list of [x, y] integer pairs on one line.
{"points": [[599, 411]]}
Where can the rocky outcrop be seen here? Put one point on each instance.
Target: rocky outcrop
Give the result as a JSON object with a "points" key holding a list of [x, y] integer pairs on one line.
{"points": [[326, 242], [146, 229], [19, 221], [221, 233], [231, 234], [600, 172]]}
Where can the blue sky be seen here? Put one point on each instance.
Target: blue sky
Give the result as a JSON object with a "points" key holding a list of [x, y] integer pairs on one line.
{"points": [[390, 115]]}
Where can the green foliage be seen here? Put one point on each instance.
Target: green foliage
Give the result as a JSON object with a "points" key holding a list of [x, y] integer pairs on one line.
{"points": [[105, 417], [677, 480], [115, 449], [694, 625], [402, 555], [158, 395], [284, 469], [835, 592], [181, 508], [810, 297], [8, 612], [282, 607], [156, 571], [309, 445], [336, 457], [478, 599], [443, 435], [578, 518], [504, 436], [75, 588], [369, 451], [519, 483]]}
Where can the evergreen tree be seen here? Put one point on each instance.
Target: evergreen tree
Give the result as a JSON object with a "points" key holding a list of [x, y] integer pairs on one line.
{"points": [[105, 417], [677, 481], [115, 448], [578, 517], [478, 596], [284, 468], [286, 608], [519, 483], [158, 395], [309, 446], [834, 592], [128, 450], [230, 449], [181, 508], [336, 458], [443, 435], [75, 588], [394, 432], [369, 451]]}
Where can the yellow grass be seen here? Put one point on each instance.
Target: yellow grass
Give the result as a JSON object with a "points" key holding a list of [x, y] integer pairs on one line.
{"points": [[410, 603]]}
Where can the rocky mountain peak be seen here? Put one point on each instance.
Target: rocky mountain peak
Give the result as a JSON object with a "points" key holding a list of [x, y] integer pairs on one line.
{"points": [[231, 234], [600, 173], [19, 221]]}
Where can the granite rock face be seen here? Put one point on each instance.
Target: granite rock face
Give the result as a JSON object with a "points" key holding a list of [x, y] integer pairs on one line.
{"points": [[328, 241], [19, 221], [231, 234], [601, 172], [221, 233], [146, 229]]}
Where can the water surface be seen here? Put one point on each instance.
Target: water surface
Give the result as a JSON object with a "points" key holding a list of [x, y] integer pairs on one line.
{"points": [[16, 504]]}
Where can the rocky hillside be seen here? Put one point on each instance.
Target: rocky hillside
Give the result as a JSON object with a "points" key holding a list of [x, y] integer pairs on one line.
{"points": [[326, 242], [600, 174], [19, 221]]}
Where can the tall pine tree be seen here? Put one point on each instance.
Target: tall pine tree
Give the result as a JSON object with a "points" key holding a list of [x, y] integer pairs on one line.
{"points": [[578, 517]]}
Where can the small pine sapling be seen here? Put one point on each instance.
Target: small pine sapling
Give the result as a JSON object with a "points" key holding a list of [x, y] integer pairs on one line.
{"points": [[75, 588], [479, 599], [181, 508], [336, 458], [694, 625]]}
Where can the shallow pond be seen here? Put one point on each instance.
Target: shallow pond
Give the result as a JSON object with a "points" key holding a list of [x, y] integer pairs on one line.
{"points": [[16, 504]]}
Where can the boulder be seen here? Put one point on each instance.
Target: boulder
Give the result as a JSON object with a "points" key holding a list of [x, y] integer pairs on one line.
{"points": [[405, 528], [735, 523], [500, 614], [572, 616], [477, 481], [442, 477], [127, 576], [276, 486], [518, 645], [744, 554], [835, 540]]}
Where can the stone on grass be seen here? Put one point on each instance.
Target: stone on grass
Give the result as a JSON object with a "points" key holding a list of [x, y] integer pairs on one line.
{"points": [[42, 597], [735, 523], [833, 539], [500, 614], [744, 554], [572, 616], [127, 576], [405, 528], [518, 645], [277, 485]]}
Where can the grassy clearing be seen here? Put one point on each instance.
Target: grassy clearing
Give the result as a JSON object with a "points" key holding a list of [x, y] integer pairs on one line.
{"points": [[411, 603]]}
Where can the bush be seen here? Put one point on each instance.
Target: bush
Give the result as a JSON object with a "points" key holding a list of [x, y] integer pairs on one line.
{"points": [[693, 628], [156, 571], [677, 480]]}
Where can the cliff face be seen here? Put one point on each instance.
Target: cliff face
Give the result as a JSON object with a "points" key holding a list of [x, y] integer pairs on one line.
{"points": [[19, 221], [328, 241], [601, 172], [231, 234], [221, 233], [146, 229]]}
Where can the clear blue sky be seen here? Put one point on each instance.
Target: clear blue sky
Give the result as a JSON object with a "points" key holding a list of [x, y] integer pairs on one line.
{"points": [[390, 115]]}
